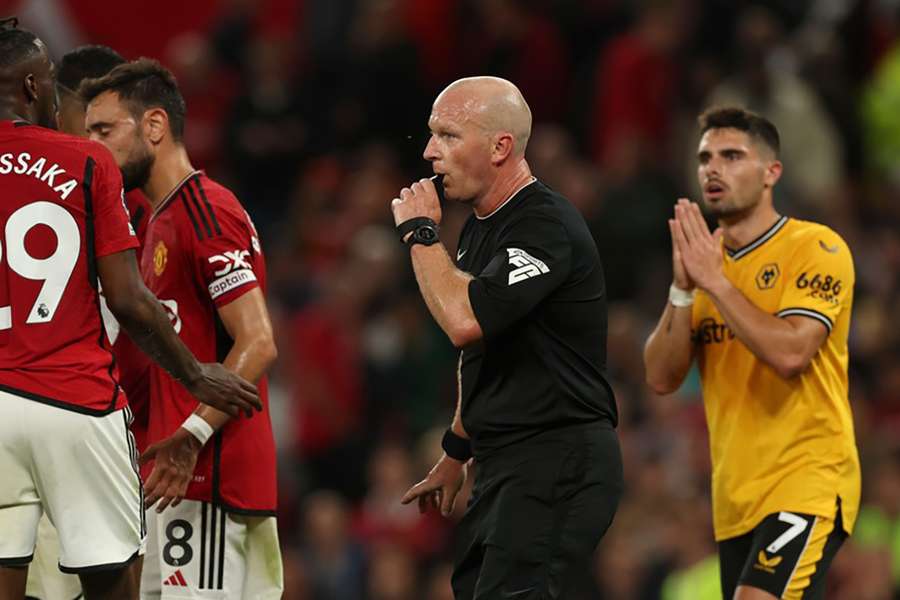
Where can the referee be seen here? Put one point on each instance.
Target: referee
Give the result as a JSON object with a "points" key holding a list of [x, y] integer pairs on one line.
{"points": [[525, 302]]}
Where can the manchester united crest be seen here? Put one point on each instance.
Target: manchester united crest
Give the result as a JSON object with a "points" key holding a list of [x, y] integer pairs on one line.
{"points": [[160, 257]]}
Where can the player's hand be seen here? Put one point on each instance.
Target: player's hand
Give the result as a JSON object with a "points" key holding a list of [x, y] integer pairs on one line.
{"points": [[418, 200], [679, 274], [224, 390], [439, 489], [700, 250], [175, 457]]}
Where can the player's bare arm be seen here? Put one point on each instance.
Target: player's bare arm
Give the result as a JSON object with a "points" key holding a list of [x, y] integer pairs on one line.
{"points": [[146, 322], [785, 344], [669, 351], [247, 322], [444, 287]]}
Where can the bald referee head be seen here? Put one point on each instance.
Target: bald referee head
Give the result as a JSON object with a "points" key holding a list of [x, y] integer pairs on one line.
{"points": [[479, 131]]}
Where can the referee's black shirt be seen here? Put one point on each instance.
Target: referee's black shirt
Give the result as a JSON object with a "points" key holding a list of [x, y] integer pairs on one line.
{"points": [[540, 298]]}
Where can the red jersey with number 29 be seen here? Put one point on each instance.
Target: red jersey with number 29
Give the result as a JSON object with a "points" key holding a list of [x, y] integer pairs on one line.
{"points": [[61, 209], [202, 252]]}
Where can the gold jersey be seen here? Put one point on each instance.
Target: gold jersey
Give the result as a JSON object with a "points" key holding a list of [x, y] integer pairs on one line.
{"points": [[780, 444]]}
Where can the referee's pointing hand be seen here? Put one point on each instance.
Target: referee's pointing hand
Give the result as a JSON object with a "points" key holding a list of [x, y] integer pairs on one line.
{"points": [[439, 489]]}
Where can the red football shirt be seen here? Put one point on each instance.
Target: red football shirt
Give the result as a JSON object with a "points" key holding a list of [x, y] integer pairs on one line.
{"points": [[62, 208], [133, 364], [201, 253]]}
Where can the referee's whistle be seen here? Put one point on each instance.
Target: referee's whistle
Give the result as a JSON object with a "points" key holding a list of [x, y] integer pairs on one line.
{"points": [[439, 186]]}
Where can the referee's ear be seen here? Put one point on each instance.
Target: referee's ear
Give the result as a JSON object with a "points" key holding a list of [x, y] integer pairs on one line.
{"points": [[502, 147]]}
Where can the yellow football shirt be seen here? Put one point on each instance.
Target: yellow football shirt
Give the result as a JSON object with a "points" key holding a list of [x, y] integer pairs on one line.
{"points": [[778, 444]]}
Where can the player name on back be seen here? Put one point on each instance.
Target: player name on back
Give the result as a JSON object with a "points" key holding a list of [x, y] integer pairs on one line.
{"points": [[52, 174]]}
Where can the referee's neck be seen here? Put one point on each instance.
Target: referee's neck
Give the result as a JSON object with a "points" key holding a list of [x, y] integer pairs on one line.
{"points": [[509, 180]]}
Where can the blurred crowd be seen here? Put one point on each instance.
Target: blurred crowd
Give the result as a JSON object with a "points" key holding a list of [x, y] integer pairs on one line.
{"points": [[318, 123]]}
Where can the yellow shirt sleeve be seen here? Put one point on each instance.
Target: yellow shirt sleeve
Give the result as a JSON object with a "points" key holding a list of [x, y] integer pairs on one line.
{"points": [[820, 279]]}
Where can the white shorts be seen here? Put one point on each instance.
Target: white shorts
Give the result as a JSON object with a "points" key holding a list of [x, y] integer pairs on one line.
{"points": [[81, 471], [197, 550], [45, 580]]}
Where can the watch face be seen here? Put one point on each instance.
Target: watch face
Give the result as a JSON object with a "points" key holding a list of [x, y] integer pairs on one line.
{"points": [[426, 233]]}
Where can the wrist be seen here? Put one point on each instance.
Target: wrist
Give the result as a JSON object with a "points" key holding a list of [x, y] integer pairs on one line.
{"points": [[456, 447], [419, 230], [718, 286], [199, 429], [192, 375], [680, 298]]}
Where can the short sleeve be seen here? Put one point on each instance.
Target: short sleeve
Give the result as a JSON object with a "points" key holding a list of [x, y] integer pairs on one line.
{"points": [[820, 280], [533, 258], [229, 262], [112, 225]]}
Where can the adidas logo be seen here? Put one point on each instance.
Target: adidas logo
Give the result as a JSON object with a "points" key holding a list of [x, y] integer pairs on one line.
{"points": [[526, 266], [176, 579], [764, 563]]}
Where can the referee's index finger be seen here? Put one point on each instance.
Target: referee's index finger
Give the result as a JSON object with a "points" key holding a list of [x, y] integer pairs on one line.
{"points": [[423, 487]]}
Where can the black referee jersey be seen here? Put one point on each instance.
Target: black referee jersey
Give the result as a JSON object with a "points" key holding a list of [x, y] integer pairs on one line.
{"points": [[540, 298]]}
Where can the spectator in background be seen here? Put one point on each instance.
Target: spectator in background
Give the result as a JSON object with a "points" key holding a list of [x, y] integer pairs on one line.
{"points": [[812, 146], [380, 519], [336, 565], [393, 574], [209, 89], [636, 87], [265, 132], [515, 40], [880, 118]]}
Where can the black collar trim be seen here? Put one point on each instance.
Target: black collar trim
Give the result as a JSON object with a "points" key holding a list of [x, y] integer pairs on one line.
{"points": [[765, 237]]}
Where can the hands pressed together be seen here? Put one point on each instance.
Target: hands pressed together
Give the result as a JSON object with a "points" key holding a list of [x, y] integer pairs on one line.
{"points": [[696, 253]]}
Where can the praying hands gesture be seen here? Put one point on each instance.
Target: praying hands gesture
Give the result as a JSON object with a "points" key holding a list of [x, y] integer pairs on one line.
{"points": [[699, 250]]}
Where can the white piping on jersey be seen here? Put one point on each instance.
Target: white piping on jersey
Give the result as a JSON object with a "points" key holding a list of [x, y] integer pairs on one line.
{"points": [[505, 202], [736, 254], [175, 189]]}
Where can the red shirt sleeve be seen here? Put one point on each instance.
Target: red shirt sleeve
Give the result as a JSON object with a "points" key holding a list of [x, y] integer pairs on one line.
{"points": [[113, 231], [229, 264]]}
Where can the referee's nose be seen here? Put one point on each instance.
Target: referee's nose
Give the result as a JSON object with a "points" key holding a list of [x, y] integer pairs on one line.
{"points": [[431, 151]]}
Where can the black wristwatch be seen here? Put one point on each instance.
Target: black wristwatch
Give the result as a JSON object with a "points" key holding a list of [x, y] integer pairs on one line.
{"points": [[424, 231]]}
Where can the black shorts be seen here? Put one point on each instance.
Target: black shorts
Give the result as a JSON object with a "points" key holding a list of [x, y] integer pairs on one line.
{"points": [[787, 555], [538, 510]]}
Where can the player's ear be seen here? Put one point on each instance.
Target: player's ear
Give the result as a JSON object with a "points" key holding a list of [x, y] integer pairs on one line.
{"points": [[772, 174], [31, 88], [156, 125]]}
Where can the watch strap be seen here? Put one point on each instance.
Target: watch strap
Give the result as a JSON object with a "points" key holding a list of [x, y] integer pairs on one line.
{"points": [[411, 224]]}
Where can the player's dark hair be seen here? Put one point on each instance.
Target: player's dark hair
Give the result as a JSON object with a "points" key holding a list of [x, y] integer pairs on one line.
{"points": [[16, 45], [728, 117], [143, 84], [86, 62]]}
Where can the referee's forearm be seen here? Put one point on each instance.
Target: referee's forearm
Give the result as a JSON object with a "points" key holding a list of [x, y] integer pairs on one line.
{"points": [[445, 290], [457, 425]]}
